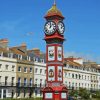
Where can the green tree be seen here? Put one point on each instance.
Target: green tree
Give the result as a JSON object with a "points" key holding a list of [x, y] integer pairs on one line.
{"points": [[85, 94]]}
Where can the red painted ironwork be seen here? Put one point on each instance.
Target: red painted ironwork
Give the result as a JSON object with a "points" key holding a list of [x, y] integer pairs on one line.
{"points": [[54, 90]]}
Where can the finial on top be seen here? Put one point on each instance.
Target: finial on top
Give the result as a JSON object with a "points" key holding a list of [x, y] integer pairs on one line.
{"points": [[54, 2]]}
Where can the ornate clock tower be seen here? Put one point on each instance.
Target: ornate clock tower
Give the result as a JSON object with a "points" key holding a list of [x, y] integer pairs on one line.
{"points": [[54, 36]]}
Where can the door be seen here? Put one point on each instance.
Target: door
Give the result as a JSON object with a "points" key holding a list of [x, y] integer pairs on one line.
{"points": [[57, 96], [0, 93], [4, 93]]}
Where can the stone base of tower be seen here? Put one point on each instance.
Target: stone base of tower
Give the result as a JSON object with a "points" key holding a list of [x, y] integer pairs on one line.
{"points": [[55, 93]]}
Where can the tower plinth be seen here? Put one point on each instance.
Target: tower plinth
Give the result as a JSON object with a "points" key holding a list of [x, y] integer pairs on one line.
{"points": [[54, 36]]}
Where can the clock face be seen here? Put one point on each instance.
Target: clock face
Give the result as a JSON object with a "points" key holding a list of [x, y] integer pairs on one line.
{"points": [[50, 27], [61, 27]]}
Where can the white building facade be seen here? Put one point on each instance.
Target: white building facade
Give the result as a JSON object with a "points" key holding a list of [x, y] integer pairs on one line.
{"points": [[7, 77], [39, 77], [78, 75]]}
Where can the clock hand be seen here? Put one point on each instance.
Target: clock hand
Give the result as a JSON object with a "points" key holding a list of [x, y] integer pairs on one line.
{"points": [[50, 25]]}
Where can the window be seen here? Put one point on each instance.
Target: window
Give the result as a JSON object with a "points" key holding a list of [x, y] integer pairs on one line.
{"points": [[69, 84], [0, 66], [65, 74], [12, 81], [88, 77], [18, 93], [85, 77], [6, 67], [76, 84], [30, 81], [19, 81], [91, 77], [82, 76], [36, 59], [94, 77], [19, 69], [13, 68], [0, 93], [85, 84], [42, 60], [25, 69], [44, 71], [76, 76], [73, 84], [40, 82], [6, 79], [82, 84], [36, 81], [69, 74], [66, 82], [25, 81], [79, 84], [24, 93], [30, 70], [36, 70], [72, 75], [79, 76], [10, 55], [40, 71], [0, 79]]}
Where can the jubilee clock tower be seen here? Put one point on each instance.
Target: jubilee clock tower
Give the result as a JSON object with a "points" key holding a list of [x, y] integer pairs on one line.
{"points": [[54, 36]]}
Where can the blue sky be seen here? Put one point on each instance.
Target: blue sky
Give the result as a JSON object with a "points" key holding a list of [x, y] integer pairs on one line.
{"points": [[22, 21]]}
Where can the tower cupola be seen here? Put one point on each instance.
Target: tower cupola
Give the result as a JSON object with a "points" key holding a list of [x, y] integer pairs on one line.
{"points": [[53, 11]]}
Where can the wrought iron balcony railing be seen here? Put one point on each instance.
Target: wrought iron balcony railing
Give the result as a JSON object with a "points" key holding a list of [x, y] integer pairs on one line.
{"points": [[8, 84]]}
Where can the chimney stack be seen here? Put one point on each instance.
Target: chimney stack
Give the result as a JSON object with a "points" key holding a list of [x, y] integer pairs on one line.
{"points": [[36, 51], [4, 43]]}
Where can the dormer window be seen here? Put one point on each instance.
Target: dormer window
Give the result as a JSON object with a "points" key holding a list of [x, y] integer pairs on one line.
{"points": [[10, 55], [42, 60], [20, 57], [36, 59], [28, 58]]}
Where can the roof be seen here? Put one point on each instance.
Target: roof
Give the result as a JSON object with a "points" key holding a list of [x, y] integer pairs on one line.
{"points": [[17, 51], [72, 58], [73, 63], [53, 11], [55, 88]]}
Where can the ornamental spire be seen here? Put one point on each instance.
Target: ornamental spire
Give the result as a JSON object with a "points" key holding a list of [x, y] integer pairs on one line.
{"points": [[54, 2], [53, 11]]}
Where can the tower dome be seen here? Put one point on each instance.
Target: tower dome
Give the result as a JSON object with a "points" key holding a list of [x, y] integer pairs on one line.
{"points": [[53, 11]]}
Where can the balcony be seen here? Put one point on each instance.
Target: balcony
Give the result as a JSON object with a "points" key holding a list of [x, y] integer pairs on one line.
{"points": [[6, 84], [22, 85]]}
